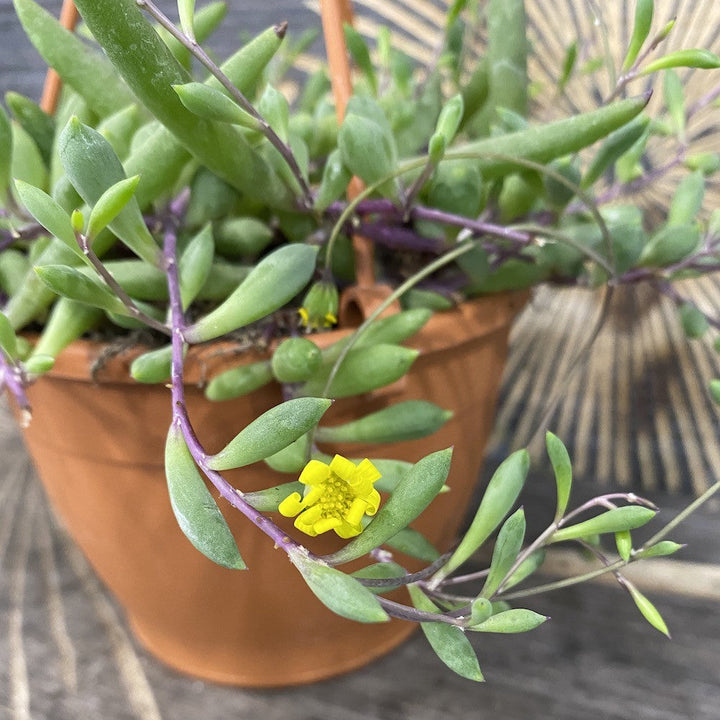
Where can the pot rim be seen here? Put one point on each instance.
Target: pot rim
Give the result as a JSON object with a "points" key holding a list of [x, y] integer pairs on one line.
{"points": [[92, 360]]}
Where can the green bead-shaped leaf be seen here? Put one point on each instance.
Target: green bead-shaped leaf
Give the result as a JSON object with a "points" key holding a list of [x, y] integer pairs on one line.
{"points": [[532, 563], [413, 494], [687, 201], [695, 57], [507, 547], [68, 321], [6, 153], [616, 144], [269, 499], [274, 281], [363, 370], [361, 55], [242, 236], [92, 167], [269, 433], [403, 421], [49, 214], [714, 388], [612, 521], [341, 593], [363, 148], [73, 284], [675, 100], [562, 467], [693, 320], [414, 544], [39, 364], [648, 610], [195, 264], [86, 71], [334, 181], [239, 381], [110, 204], [27, 162], [449, 119], [291, 459], [390, 330], [480, 610], [661, 549], [623, 542], [641, 29], [448, 641], [153, 366], [670, 245], [36, 122], [707, 163], [380, 571], [499, 497], [273, 106], [195, 509], [8, 340], [186, 13], [209, 103], [295, 360], [517, 620]]}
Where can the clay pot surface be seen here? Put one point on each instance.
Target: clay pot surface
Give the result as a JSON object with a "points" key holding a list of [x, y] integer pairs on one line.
{"points": [[98, 446]]}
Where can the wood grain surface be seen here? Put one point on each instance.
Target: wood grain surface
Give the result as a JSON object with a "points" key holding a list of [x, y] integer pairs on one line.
{"points": [[66, 652]]}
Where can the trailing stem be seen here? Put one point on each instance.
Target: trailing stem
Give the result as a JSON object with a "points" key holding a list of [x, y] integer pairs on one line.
{"points": [[179, 407]]}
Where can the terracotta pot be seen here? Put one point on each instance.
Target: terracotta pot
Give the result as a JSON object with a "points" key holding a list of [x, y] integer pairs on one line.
{"points": [[98, 447]]}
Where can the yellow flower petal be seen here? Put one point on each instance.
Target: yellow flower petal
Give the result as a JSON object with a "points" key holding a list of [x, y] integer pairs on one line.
{"points": [[346, 530], [291, 505], [343, 467], [325, 524], [373, 502], [304, 527], [312, 515], [314, 472], [357, 510]]}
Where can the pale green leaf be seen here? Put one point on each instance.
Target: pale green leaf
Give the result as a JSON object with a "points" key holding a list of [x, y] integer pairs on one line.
{"points": [[448, 641], [499, 497], [339, 592], [562, 467], [611, 521], [270, 432], [195, 509]]}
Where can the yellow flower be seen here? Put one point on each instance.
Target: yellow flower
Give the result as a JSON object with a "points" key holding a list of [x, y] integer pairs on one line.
{"points": [[336, 497]]}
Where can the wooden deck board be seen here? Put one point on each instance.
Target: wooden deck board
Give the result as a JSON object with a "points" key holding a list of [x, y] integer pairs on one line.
{"points": [[66, 653]]}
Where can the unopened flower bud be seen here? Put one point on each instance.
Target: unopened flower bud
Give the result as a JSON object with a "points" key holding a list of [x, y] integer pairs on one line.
{"points": [[320, 306]]}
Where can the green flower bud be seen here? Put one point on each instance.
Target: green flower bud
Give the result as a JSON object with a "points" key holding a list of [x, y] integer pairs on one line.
{"points": [[77, 221], [320, 306]]}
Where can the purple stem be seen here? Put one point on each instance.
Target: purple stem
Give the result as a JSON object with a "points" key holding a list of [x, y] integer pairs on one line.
{"points": [[704, 101], [602, 500], [180, 414], [476, 226], [400, 238], [29, 232], [13, 378], [420, 212]]}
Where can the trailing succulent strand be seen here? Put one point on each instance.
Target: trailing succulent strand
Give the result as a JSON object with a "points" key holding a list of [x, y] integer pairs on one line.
{"points": [[207, 209]]}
